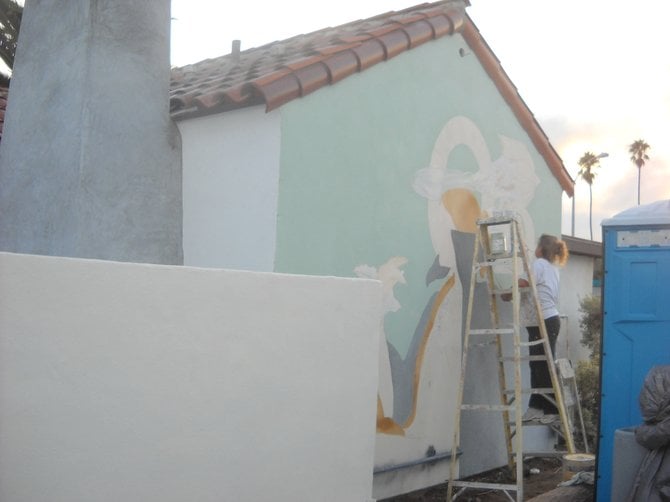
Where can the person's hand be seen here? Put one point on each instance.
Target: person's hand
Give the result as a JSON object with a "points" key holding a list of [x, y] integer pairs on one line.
{"points": [[506, 297]]}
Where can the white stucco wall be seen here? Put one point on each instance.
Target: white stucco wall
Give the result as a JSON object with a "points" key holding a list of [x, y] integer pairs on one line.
{"points": [[576, 283], [230, 183], [127, 382]]}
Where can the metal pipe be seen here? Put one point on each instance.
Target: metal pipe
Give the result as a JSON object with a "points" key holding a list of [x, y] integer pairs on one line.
{"points": [[572, 233], [438, 457]]}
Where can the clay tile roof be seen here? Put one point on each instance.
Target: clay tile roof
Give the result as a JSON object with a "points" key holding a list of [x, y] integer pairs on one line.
{"points": [[281, 71], [278, 72]]}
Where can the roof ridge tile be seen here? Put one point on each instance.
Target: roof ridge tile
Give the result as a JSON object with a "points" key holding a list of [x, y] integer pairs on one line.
{"points": [[306, 62]]}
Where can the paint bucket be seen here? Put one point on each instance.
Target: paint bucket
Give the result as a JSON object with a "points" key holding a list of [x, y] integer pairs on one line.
{"points": [[498, 243], [577, 462]]}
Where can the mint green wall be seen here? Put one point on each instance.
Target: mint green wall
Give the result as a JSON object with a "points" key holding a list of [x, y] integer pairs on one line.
{"points": [[349, 153], [363, 166]]}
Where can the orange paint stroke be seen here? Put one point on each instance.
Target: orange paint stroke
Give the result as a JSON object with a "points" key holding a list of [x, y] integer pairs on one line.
{"points": [[386, 425], [463, 208], [446, 287]]}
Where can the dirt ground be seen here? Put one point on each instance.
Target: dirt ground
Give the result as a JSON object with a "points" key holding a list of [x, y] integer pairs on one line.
{"points": [[546, 480]]}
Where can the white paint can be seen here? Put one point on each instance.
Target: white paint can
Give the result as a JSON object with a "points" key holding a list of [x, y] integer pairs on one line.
{"points": [[498, 243]]}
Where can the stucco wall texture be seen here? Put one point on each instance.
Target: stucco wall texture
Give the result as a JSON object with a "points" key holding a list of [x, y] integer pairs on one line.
{"points": [[90, 162], [157, 383]]}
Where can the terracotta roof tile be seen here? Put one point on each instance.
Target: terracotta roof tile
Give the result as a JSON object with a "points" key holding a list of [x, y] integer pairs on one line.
{"points": [[302, 63], [419, 32], [445, 26], [334, 49], [394, 42], [354, 39], [279, 91], [342, 65], [278, 72], [390, 27], [370, 53], [312, 77]]}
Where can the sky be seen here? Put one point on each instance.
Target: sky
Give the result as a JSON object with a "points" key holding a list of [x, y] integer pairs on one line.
{"points": [[595, 73]]}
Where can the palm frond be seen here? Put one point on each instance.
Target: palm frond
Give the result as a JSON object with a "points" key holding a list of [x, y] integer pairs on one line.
{"points": [[587, 163], [638, 150]]}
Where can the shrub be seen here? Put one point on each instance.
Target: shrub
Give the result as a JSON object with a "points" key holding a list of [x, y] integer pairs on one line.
{"points": [[590, 323], [587, 375]]}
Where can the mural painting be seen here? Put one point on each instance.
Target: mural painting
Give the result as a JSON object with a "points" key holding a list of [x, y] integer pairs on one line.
{"points": [[455, 200]]}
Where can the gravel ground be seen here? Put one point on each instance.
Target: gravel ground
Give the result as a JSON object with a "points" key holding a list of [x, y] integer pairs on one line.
{"points": [[550, 475]]}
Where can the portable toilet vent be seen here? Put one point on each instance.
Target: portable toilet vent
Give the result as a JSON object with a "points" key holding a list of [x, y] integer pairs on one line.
{"points": [[636, 320]]}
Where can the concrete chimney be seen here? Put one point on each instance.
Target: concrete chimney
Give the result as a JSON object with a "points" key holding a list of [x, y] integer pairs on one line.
{"points": [[90, 162]]}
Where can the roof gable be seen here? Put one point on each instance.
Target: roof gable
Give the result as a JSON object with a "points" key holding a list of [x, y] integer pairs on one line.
{"points": [[279, 72]]}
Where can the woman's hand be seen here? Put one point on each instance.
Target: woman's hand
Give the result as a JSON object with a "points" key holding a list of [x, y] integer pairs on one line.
{"points": [[506, 297]]}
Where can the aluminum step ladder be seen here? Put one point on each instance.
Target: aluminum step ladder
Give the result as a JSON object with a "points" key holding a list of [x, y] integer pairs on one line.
{"points": [[498, 240]]}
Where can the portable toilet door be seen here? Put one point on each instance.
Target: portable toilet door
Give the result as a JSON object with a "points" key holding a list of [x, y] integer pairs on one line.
{"points": [[636, 320]]}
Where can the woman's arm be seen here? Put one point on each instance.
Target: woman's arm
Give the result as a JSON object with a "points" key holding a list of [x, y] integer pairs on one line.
{"points": [[523, 283]]}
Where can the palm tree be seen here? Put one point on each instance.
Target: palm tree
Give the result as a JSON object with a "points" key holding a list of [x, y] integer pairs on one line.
{"points": [[587, 163], [10, 22], [638, 154]]}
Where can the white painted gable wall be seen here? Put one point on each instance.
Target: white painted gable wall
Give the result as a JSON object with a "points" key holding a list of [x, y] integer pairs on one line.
{"points": [[230, 187]]}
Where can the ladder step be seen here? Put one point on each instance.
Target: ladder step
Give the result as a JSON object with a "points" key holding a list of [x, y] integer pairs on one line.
{"points": [[525, 358], [536, 390], [508, 291], [488, 486], [496, 220], [544, 454], [492, 331], [487, 407], [490, 259], [482, 344], [529, 344], [554, 424]]}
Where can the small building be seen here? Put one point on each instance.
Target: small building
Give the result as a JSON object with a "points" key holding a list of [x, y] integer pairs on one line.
{"points": [[370, 149], [579, 278]]}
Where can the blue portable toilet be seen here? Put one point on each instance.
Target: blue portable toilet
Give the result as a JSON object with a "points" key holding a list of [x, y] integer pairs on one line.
{"points": [[636, 320]]}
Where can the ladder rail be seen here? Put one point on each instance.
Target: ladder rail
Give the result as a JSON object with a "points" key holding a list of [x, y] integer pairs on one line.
{"points": [[459, 398], [516, 308]]}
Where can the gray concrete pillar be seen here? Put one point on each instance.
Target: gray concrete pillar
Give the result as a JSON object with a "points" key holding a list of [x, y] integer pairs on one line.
{"points": [[90, 161]]}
